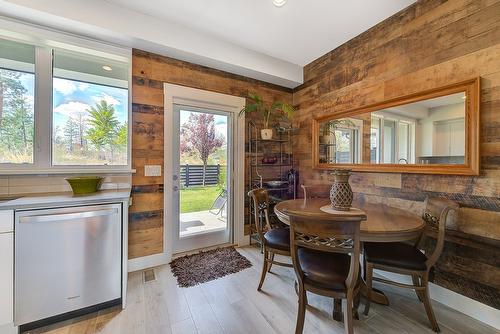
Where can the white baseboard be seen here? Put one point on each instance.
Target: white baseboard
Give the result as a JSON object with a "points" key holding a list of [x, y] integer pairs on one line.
{"points": [[8, 329], [244, 241], [145, 262], [456, 301]]}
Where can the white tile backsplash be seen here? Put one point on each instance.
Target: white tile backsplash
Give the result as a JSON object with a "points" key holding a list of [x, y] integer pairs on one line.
{"points": [[29, 180], [33, 189], [32, 184], [4, 182]]}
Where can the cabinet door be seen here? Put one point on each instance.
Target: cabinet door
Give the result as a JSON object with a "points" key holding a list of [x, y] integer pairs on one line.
{"points": [[441, 139], [6, 278]]}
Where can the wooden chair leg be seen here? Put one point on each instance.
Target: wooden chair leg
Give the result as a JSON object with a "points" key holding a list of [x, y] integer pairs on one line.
{"points": [[264, 270], [355, 307], [348, 319], [337, 309], [416, 282], [270, 263], [369, 282], [428, 305], [301, 314]]}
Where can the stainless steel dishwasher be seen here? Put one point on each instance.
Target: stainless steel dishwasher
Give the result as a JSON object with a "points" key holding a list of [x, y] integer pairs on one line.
{"points": [[66, 259]]}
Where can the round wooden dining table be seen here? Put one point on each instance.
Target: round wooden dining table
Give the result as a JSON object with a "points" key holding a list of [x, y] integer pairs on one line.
{"points": [[383, 224]]}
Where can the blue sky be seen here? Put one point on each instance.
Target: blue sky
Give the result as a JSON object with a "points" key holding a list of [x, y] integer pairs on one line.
{"points": [[73, 97]]}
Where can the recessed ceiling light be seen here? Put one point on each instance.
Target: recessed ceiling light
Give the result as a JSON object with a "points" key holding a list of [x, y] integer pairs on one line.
{"points": [[279, 3], [107, 68]]}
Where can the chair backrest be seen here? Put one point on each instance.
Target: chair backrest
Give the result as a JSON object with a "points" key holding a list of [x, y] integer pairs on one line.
{"points": [[260, 199], [435, 215], [316, 191], [327, 233]]}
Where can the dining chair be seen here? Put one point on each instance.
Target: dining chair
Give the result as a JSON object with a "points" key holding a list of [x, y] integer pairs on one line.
{"points": [[273, 240], [325, 255], [316, 191], [407, 259]]}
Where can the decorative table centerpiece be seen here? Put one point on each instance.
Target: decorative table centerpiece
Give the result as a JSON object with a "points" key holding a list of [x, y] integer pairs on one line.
{"points": [[341, 193]]}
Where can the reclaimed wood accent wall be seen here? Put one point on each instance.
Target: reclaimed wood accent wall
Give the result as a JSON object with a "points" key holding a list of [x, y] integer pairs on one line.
{"points": [[429, 44], [149, 72]]}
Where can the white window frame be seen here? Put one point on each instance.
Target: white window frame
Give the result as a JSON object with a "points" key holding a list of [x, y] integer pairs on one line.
{"points": [[45, 41]]}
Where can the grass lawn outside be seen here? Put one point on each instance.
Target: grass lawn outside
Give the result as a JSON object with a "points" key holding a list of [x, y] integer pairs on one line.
{"points": [[195, 199]]}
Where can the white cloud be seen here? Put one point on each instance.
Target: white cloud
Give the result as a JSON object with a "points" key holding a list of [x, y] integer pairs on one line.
{"points": [[82, 86], [108, 98], [64, 87], [71, 109]]}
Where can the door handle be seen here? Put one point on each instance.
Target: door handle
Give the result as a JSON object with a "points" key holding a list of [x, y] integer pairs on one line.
{"points": [[176, 188], [67, 216]]}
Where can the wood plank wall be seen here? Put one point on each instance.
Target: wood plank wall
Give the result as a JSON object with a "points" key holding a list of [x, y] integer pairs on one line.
{"points": [[149, 72], [430, 44]]}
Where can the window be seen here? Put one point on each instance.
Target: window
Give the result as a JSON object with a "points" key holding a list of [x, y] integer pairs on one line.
{"points": [[346, 150], [90, 110], [69, 102], [17, 90], [389, 141], [375, 140]]}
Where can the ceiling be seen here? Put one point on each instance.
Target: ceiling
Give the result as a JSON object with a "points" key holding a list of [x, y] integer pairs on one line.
{"points": [[252, 38], [298, 32], [443, 100]]}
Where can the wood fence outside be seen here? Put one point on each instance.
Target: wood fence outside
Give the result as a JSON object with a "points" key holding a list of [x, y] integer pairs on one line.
{"points": [[192, 175]]}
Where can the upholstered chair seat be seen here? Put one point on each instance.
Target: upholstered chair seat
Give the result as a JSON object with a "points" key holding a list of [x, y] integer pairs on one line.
{"points": [[278, 238], [395, 254]]}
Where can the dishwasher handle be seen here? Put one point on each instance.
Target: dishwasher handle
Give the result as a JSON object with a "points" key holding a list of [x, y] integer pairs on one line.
{"points": [[67, 216]]}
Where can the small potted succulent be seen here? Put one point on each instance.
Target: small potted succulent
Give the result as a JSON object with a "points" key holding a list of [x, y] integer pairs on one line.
{"points": [[269, 112]]}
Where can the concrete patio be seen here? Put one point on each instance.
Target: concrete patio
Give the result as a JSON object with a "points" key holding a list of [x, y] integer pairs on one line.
{"points": [[201, 222]]}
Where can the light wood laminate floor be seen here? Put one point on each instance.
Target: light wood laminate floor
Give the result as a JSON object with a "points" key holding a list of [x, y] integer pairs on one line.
{"points": [[233, 305]]}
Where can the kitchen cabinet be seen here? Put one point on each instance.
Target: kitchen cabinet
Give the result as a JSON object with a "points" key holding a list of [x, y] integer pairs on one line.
{"points": [[449, 138], [6, 267]]}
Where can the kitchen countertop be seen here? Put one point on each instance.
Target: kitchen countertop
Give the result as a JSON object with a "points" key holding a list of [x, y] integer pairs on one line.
{"points": [[63, 199]]}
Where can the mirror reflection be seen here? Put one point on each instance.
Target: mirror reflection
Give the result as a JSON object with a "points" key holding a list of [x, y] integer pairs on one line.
{"points": [[430, 131]]}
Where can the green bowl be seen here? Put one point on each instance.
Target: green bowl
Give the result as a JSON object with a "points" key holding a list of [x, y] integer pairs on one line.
{"points": [[85, 184]]}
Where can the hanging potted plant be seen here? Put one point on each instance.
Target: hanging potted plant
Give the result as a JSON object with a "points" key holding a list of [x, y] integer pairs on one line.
{"points": [[268, 113]]}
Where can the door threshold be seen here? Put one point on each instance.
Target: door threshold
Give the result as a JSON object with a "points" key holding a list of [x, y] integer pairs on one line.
{"points": [[197, 234], [195, 251]]}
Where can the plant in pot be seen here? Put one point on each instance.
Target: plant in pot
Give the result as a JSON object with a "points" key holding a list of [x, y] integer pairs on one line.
{"points": [[327, 130], [268, 112]]}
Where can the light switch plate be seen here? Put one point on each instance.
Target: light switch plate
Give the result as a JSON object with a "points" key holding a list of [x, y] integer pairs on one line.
{"points": [[152, 170]]}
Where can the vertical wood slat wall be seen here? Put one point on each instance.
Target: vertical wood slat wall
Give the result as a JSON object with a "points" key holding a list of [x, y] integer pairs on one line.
{"points": [[430, 44], [149, 72]]}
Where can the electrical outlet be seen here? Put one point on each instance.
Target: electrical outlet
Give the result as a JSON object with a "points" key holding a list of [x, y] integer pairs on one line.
{"points": [[152, 170]]}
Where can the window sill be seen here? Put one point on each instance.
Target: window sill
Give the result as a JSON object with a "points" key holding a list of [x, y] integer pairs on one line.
{"points": [[62, 171]]}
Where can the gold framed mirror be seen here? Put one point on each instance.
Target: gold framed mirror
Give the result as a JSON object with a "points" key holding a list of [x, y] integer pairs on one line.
{"points": [[431, 132]]}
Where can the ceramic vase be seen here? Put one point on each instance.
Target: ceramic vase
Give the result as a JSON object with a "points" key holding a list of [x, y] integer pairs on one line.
{"points": [[266, 134], [341, 192]]}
